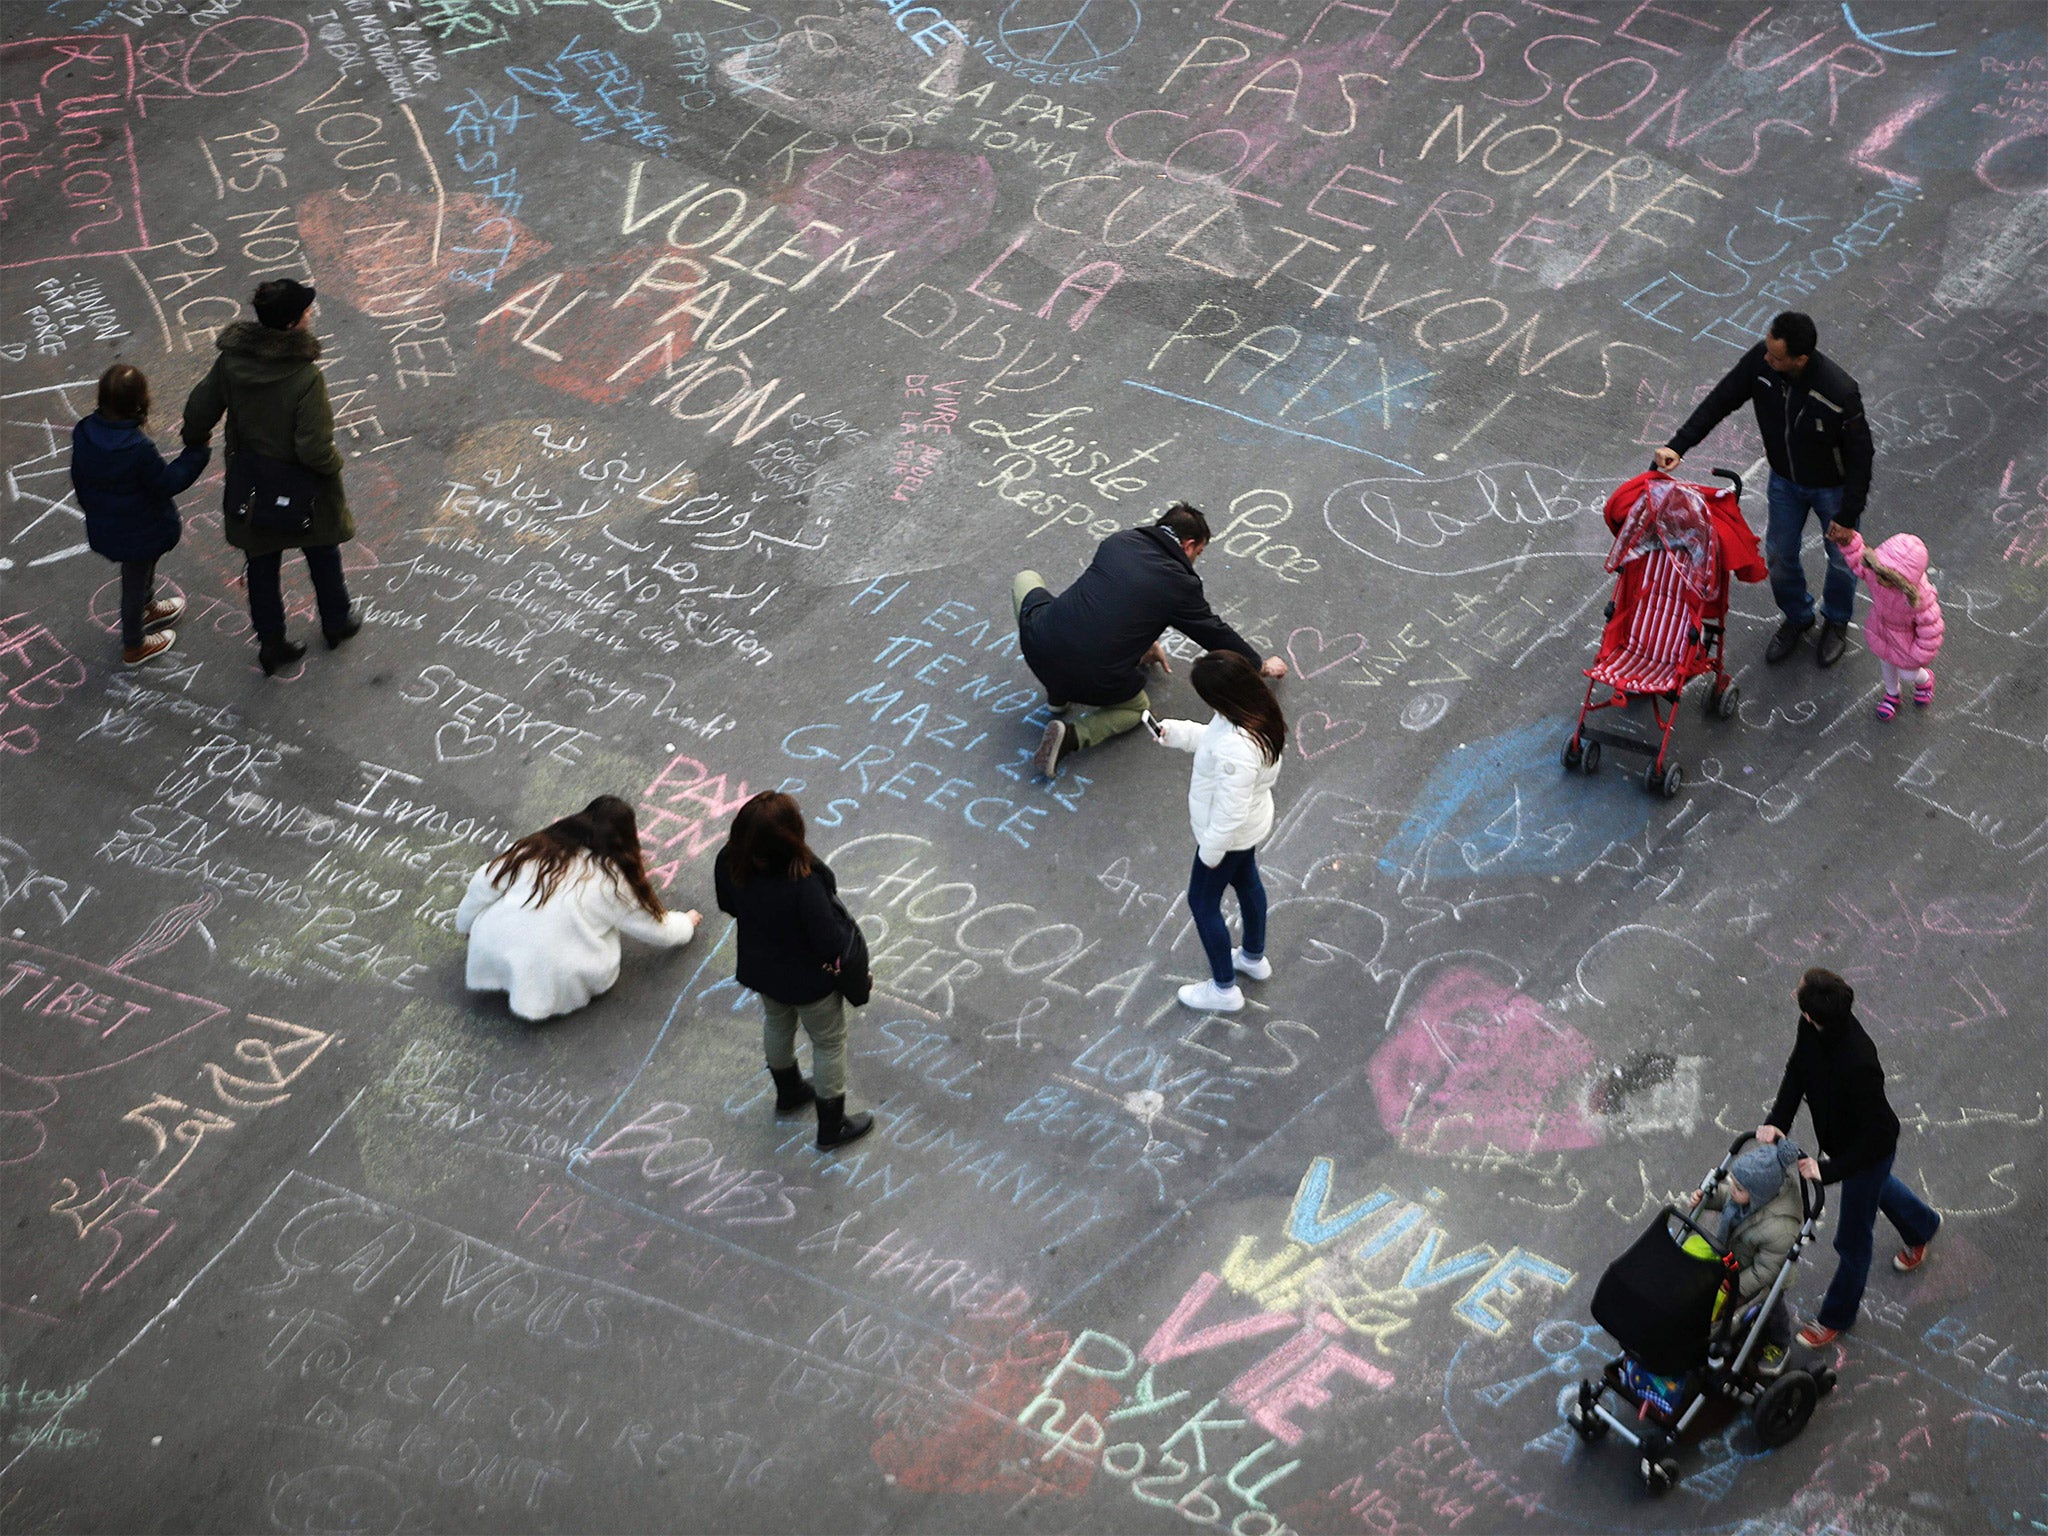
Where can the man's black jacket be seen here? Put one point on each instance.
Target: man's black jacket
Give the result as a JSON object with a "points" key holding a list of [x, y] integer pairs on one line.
{"points": [[1087, 644], [1813, 426], [1837, 1072]]}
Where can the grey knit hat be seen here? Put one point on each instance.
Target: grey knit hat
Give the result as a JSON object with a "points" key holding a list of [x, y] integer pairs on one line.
{"points": [[1760, 1171]]}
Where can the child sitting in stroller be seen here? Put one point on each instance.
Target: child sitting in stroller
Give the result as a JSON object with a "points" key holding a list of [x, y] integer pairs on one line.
{"points": [[1683, 1304], [1762, 1209]]}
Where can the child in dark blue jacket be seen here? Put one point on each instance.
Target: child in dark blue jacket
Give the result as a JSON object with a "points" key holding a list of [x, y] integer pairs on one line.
{"points": [[125, 488]]}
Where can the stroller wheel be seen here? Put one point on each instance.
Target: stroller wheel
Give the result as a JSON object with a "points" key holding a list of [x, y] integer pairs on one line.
{"points": [[1570, 755], [1589, 759], [1724, 701], [1590, 1427], [1659, 1475], [1666, 783], [1781, 1413]]}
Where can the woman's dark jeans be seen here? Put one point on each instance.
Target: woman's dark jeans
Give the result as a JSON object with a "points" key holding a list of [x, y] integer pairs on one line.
{"points": [[1239, 870], [138, 587], [266, 590], [1858, 1199]]}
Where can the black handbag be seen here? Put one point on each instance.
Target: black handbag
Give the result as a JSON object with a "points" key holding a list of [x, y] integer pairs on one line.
{"points": [[275, 496], [852, 979]]}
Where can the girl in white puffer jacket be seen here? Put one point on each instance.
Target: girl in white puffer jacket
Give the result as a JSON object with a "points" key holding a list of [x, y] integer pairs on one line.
{"points": [[544, 917], [1230, 803]]}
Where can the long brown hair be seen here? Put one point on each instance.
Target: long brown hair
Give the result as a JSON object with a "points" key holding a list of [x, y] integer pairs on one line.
{"points": [[1232, 687], [605, 829], [124, 394], [767, 838]]}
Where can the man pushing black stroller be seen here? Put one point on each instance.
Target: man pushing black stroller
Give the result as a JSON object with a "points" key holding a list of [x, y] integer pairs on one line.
{"points": [[1700, 1312]]}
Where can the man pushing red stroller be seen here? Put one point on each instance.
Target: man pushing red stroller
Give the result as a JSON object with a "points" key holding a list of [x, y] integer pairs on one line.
{"points": [[1675, 547]]}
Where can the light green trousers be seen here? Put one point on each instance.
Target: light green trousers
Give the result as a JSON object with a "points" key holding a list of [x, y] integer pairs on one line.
{"points": [[825, 1022], [1092, 724]]}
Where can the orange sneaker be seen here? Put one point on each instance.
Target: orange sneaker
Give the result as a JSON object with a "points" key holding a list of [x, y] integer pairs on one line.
{"points": [[164, 611], [1910, 1258], [1818, 1335], [152, 645]]}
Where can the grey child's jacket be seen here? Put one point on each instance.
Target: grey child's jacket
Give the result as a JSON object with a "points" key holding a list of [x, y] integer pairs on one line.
{"points": [[1763, 1241]]}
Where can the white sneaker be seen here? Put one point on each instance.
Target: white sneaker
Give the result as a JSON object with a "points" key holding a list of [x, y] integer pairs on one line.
{"points": [[1258, 969], [1207, 997]]}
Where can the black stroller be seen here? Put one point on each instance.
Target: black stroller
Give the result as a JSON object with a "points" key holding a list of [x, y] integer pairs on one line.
{"points": [[1658, 1301]]}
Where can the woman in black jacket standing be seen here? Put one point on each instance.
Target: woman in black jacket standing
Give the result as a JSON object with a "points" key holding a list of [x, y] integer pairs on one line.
{"points": [[1834, 1068], [793, 937]]}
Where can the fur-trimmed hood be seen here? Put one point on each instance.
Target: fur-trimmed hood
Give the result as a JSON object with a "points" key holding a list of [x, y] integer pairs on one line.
{"points": [[248, 342], [1903, 555]]}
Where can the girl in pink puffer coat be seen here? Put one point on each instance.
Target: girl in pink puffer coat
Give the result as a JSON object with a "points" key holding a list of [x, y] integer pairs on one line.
{"points": [[1904, 628]]}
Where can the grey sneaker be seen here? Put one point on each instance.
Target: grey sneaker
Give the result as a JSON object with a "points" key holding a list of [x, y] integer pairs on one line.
{"points": [[1786, 640], [1052, 746]]}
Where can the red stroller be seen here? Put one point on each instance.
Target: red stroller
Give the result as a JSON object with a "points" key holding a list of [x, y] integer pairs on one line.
{"points": [[1675, 547]]}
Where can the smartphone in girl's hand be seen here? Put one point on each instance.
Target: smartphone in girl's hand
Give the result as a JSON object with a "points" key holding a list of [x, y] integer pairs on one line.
{"points": [[1158, 731]]}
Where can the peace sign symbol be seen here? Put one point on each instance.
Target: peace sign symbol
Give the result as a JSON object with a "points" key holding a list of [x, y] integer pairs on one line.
{"points": [[1057, 33], [244, 53]]}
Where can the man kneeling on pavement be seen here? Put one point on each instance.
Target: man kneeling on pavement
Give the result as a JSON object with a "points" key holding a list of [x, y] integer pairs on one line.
{"points": [[1090, 645]]}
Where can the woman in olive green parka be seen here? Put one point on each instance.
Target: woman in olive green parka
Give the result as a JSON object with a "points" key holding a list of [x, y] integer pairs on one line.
{"points": [[268, 383]]}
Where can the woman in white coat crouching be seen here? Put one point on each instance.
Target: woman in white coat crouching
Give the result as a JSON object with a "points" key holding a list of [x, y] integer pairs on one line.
{"points": [[544, 917], [1230, 802]]}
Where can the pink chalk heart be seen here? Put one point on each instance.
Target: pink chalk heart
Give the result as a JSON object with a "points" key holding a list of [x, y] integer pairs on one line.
{"points": [[1325, 654], [1316, 733], [1474, 1066]]}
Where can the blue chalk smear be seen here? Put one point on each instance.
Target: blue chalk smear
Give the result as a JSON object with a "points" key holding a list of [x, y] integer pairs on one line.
{"points": [[1503, 806]]}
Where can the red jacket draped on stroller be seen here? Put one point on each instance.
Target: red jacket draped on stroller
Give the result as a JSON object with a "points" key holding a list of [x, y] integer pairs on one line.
{"points": [[1675, 547]]}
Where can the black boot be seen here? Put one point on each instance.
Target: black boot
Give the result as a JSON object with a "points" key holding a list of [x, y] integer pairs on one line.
{"points": [[350, 628], [1834, 639], [277, 651], [1786, 640], [792, 1093], [836, 1127]]}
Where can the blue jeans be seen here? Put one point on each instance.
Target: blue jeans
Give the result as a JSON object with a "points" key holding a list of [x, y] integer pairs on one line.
{"points": [[1858, 1199], [1239, 870], [1791, 502]]}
